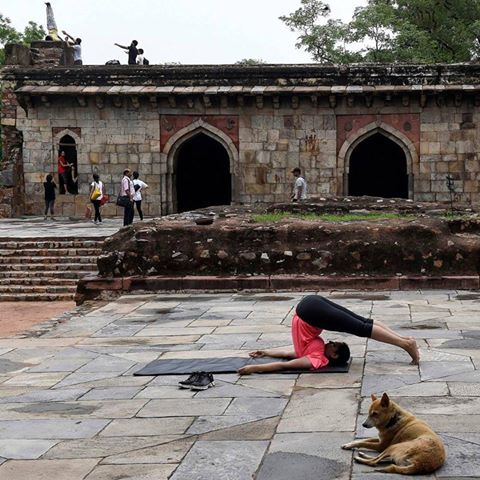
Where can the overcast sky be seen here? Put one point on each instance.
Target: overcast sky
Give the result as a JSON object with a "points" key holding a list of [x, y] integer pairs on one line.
{"points": [[185, 31]]}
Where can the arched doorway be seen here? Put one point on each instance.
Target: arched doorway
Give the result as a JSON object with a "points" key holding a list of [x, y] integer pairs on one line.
{"points": [[68, 182], [378, 167], [203, 176]]}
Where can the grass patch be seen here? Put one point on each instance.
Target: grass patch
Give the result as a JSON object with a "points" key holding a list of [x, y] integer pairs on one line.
{"points": [[327, 217]]}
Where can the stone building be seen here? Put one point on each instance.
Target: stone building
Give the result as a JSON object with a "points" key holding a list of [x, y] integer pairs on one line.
{"points": [[215, 134]]}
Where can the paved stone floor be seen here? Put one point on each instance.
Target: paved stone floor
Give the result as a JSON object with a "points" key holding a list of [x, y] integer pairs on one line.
{"points": [[71, 409], [36, 227]]}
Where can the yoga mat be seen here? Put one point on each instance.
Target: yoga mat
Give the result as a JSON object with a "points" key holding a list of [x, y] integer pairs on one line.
{"points": [[220, 365]]}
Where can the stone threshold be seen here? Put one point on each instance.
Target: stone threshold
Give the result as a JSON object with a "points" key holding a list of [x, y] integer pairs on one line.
{"points": [[93, 287]]}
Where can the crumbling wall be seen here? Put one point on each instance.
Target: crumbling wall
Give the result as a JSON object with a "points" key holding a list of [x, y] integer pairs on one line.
{"points": [[11, 165]]}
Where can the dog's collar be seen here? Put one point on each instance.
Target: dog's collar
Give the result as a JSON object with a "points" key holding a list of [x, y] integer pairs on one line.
{"points": [[392, 421]]}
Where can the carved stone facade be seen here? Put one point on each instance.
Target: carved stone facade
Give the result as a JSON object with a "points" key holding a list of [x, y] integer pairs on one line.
{"points": [[350, 130]]}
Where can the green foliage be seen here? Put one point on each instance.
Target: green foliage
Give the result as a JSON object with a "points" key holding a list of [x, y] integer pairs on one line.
{"points": [[326, 217], [420, 31], [251, 61], [8, 34]]}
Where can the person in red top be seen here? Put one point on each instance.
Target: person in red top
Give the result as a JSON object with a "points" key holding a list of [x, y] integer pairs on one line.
{"points": [[315, 314], [63, 165]]}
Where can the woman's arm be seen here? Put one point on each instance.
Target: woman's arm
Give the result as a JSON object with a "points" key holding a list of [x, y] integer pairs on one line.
{"points": [[274, 353], [296, 364]]}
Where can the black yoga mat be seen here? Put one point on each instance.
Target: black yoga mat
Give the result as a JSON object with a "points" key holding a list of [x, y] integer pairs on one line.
{"points": [[219, 365]]}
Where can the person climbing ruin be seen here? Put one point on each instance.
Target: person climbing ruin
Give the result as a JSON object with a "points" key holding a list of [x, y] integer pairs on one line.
{"points": [[132, 52], [76, 44], [51, 24]]}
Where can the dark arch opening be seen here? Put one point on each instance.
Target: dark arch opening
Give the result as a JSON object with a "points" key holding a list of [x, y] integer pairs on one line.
{"points": [[203, 176], [68, 182], [378, 168]]}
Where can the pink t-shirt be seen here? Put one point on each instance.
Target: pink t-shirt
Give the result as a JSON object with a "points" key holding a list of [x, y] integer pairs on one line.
{"points": [[307, 342]]}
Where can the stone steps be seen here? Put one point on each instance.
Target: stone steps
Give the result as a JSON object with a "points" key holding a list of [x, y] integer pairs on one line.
{"points": [[46, 269]]}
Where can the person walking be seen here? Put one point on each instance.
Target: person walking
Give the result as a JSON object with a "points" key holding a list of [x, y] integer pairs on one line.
{"points": [[299, 193], [97, 190], [49, 187], [75, 43], [138, 186], [132, 52], [126, 197]]}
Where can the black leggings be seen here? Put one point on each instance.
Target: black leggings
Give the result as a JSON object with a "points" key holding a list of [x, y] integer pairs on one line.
{"points": [[138, 203], [322, 313], [96, 206]]}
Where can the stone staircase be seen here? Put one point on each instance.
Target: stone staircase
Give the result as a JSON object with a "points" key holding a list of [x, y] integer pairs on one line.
{"points": [[45, 269]]}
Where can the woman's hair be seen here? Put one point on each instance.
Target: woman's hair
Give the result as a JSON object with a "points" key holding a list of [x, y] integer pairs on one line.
{"points": [[343, 353], [48, 178], [96, 177], [135, 175], [127, 170]]}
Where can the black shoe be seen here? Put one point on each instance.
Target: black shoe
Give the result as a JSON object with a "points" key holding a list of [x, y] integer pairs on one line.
{"points": [[203, 381], [188, 382]]}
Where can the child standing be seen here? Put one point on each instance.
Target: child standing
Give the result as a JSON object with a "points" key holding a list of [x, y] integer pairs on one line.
{"points": [[138, 186], [49, 187]]}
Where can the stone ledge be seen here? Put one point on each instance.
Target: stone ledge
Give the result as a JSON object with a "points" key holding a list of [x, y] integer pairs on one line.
{"points": [[93, 287]]}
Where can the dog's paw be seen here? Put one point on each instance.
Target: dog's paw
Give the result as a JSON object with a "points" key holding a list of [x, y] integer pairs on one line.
{"points": [[348, 446], [364, 455]]}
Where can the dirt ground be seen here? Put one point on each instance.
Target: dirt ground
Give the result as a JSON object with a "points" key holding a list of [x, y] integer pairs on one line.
{"points": [[16, 317]]}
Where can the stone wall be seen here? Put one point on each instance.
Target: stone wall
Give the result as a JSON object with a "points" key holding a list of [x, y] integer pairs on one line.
{"points": [[312, 117], [11, 166]]}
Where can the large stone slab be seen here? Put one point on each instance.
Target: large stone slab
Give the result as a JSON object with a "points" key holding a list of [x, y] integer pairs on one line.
{"points": [[171, 452], [257, 430], [463, 459], [51, 429], [105, 446], [312, 410], [24, 449], [47, 469], [257, 406], [221, 459], [384, 383], [191, 406], [132, 472], [147, 426], [307, 455], [439, 370], [65, 395]]}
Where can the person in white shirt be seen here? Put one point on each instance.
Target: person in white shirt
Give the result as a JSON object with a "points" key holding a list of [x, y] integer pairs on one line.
{"points": [[140, 56], [299, 193], [138, 186], [51, 24], [97, 187], [127, 190], [75, 43]]}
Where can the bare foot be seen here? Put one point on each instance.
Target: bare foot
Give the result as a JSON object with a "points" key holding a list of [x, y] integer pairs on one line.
{"points": [[412, 349]]}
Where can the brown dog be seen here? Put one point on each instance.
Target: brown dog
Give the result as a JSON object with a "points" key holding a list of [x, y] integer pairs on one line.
{"points": [[408, 443]]}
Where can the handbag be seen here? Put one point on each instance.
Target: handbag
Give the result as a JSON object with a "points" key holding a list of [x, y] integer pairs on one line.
{"points": [[123, 201], [104, 199], [96, 193], [88, 212]]}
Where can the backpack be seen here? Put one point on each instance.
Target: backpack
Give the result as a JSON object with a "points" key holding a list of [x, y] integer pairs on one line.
{"points": [[145, 61]]}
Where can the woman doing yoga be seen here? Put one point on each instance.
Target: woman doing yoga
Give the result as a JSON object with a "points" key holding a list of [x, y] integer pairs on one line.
{"points": [[315, 314]]}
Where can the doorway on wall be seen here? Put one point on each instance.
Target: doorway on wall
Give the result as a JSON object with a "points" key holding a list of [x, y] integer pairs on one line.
{"points": [[203, 176], [68, 182], [378, 168]]}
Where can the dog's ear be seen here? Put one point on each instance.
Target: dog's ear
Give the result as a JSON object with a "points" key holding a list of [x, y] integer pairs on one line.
{"points": [[373, 397], [385, 401]]}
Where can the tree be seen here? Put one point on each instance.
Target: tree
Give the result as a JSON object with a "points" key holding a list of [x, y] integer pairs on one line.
{"points": [[421, 31], [8, 34], [251, 61]]}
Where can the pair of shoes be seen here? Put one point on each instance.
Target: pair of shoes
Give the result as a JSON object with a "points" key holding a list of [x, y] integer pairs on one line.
{"points": [[198, 381], [45, 218], [53, 218]]}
